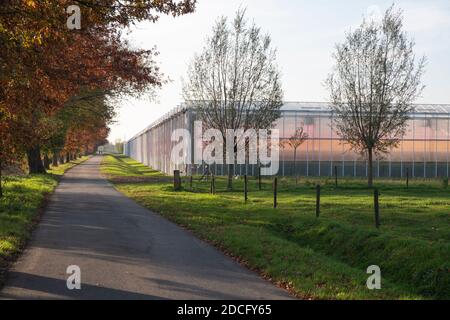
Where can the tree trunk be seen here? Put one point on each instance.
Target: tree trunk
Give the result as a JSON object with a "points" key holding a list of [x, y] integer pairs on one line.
{"points": [[34, 160], [230, 177], [61, 159], [1, 180], [55, 159], [46, 162], [295, 166], [229, 168], [67, 157], [370, 168]]}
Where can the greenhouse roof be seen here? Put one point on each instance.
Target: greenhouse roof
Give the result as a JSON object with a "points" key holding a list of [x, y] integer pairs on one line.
{"points": [[325, 107], [318, 107]]}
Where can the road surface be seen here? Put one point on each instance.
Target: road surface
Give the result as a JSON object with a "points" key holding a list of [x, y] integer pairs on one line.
{"points": [[124, 251]]}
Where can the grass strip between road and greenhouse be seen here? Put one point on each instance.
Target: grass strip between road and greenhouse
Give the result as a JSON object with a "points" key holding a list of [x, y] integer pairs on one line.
{"points": [[24, 199], [317, 258]]}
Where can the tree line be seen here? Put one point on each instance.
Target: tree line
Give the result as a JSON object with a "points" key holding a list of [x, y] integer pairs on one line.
{"points": [[57, 86], [235, 83]]}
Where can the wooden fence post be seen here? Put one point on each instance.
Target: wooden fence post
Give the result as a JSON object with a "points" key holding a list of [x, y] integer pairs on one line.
{"points": [[275, 186], [407, 178], [176, 180], [317, 200], [213, 184], [335, 177], [376, 196], [245, 188], [190, 182], [259, 178]]}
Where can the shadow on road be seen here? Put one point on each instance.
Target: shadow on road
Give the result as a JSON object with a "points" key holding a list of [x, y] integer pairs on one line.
{"points": [[57, 289]]}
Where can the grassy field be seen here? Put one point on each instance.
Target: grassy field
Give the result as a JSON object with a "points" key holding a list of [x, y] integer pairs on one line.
{"points": [[318, 258], [20, 206]]}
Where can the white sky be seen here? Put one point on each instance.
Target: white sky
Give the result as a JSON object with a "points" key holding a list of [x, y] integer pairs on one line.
{"points": [[304, 33]]}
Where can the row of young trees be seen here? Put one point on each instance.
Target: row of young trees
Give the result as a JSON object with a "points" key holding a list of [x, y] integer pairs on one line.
{"points": [[235, 84], [57, 85]]}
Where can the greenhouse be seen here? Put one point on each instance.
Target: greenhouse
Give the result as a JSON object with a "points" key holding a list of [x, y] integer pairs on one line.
{"points": [[423, 150]]}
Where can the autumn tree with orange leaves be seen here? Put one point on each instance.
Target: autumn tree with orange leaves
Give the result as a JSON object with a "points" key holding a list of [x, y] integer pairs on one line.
{"points": [[47, 69]]}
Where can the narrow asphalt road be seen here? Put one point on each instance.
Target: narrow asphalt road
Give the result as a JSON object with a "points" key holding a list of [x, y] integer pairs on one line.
{"points": [[123, 250]]}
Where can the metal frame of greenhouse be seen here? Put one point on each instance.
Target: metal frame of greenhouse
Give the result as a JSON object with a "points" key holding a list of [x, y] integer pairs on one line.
{"points": [[423, 151]]}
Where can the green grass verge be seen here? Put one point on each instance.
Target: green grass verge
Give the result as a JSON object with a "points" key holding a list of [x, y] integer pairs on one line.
{"points": [[23, 198], [323, 258]]}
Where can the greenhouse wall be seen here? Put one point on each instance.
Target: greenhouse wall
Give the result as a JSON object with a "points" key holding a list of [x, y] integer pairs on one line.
{"points": [[423, 151]]}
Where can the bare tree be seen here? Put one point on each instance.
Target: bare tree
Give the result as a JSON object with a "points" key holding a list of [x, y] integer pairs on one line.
{"points": [[234, 83], [376, 79], [295, 141]]}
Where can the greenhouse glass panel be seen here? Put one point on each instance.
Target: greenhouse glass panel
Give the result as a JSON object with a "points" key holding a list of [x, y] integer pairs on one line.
{"points": [[423, 151]]}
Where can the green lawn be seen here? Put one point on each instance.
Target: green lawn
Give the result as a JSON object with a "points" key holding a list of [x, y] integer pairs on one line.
{"points": [[19, 208], [322, 258]]}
